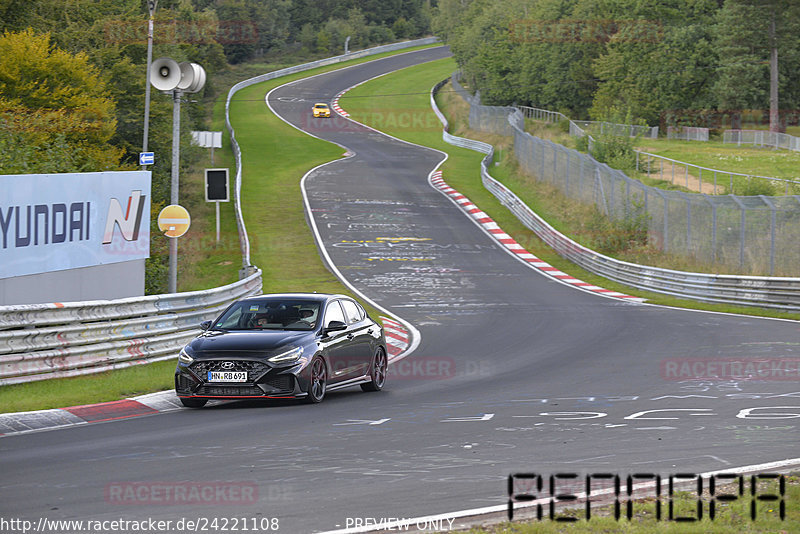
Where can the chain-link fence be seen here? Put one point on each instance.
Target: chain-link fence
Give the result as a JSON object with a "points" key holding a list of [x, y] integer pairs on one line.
{"points": [[749, 234], [687, 133], [621, 130], [761, 138]]}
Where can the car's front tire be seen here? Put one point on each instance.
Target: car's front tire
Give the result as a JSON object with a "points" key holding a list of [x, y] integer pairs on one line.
{"points": [[318, 382], [194, 403], [377, 372]]}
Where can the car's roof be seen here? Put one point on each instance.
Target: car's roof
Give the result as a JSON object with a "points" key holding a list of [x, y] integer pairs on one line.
{"points": [[321, 104], [303, 296]]}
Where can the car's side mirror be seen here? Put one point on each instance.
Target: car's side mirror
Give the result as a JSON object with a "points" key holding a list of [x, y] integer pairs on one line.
{"points": [[205, 325], [334, 326]]}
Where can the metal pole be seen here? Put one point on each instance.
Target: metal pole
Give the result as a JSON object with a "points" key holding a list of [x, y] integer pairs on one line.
{"points": [[688, 226], [147, 83], [666, 224], [176, 158], [217, 203], [713, 233]]}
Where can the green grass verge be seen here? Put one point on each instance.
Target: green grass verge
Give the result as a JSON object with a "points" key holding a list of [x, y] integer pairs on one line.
{"points": [[275, 158], [729, 517], [101, 387], [405, 94], [772, 163]]}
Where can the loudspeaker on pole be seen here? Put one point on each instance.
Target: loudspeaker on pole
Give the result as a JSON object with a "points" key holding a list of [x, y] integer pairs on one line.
{"points": [[165, 74], [193, 77]]}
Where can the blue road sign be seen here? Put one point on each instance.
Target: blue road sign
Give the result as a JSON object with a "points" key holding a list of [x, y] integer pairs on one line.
{"points": [[146, 158]]}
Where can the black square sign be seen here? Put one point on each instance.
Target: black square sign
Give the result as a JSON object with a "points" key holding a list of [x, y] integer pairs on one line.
{"points": [[217, 185]]}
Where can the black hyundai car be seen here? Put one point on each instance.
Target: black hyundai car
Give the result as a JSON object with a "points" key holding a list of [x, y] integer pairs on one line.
{"points": [[281, 347]]}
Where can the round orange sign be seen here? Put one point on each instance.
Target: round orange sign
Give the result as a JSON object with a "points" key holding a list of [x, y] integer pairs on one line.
{"points": [[174, 220]]}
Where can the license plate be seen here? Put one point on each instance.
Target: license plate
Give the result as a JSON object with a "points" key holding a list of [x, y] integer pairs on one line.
{"points": [[227, 376]]}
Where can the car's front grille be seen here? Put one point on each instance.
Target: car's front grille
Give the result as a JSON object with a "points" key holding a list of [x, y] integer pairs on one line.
{"points": [[229, 391], [254, 369]]}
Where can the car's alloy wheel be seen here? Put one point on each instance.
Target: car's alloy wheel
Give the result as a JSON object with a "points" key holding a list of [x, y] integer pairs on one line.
{"points": [[319, 381], [378, 372], [194, 403]]}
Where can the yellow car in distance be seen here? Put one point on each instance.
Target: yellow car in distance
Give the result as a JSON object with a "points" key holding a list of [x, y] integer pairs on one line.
{"points": [[321, 110]]}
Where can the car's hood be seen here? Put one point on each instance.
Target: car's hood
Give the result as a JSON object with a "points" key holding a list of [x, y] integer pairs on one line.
{"points": [[251, 342]]}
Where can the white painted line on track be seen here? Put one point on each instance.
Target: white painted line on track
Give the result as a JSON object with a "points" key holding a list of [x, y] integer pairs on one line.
{"points": [[405, 523]]}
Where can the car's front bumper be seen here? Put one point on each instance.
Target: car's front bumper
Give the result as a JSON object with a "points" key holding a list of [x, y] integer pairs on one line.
{"points": [[263, 382]]}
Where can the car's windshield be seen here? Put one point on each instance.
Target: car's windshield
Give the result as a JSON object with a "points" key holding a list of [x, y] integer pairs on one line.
{"points": [[270, 314], [321, 106]]}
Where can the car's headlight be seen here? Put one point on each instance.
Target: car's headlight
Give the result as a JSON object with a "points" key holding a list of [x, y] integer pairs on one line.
{"points": [[184, 357], [291, 355]]}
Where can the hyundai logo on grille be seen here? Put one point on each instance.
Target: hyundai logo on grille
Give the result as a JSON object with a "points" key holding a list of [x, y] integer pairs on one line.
{"points": [[227, 365]]}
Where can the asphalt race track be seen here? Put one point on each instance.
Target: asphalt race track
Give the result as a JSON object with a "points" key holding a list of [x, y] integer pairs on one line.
{"points": [[514, 372]]}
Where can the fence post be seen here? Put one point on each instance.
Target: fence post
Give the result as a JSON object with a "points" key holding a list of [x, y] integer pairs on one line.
{"points": [[742, 224], [713, 230], [772, 221], [628, 209], [542, 158], [666, 222], [555, 163], [688, 226]]}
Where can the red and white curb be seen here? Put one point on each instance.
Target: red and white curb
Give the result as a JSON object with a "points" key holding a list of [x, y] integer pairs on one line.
{"points": [[335, 104], [24, 422], [397, 337], [510, 244]]}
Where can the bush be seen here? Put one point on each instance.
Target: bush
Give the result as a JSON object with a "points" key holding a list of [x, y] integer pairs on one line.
{"points": [[618, 236], [757, 186], [615, 151]]}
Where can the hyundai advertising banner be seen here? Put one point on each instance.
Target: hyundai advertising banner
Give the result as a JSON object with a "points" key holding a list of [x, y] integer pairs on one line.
{"points": [[53, 222]]}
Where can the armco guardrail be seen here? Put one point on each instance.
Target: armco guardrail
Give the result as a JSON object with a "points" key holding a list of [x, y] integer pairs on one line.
{"points": [[244, 242], [41, 341], [768, 292]]}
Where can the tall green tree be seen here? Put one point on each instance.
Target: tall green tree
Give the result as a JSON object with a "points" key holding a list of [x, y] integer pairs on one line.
{"points": [[57, 112], [750, 34], [662, 58]]}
